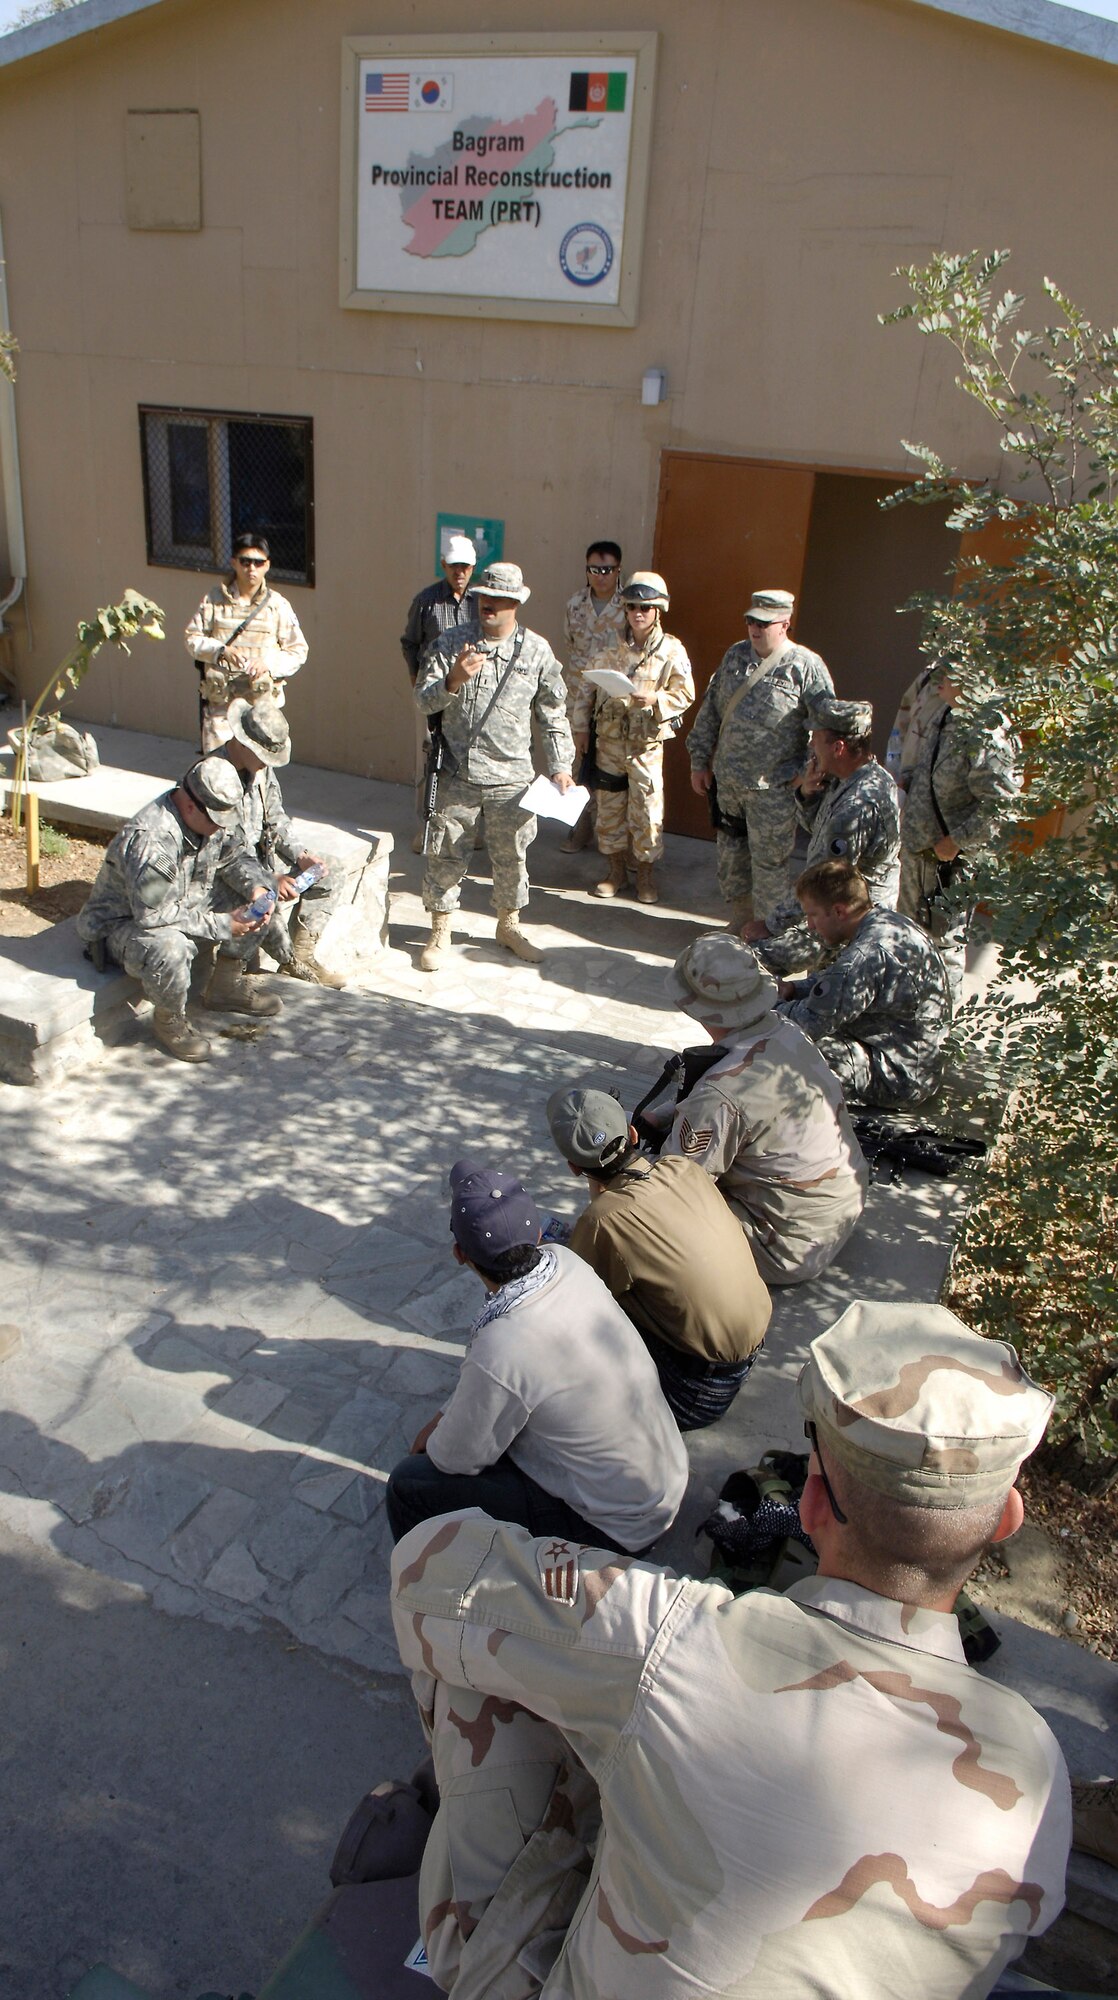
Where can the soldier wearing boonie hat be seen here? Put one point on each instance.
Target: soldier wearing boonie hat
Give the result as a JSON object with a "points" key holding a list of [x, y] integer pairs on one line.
{"points": [[747, 746], [854, 1810], [155, 901], [629, 733], [847, 802], [767, 1121], [487, 682]]}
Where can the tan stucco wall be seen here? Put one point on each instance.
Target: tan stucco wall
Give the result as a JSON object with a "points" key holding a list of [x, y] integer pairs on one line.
{"points": [[801, 151]]}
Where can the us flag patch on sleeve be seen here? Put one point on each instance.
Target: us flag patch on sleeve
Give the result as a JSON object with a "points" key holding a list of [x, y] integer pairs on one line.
{"points": [[558, 1565]]}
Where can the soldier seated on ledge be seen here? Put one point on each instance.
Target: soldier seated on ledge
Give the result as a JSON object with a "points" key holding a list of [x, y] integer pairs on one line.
{"points": [[881, 1011], [650, 1787]]}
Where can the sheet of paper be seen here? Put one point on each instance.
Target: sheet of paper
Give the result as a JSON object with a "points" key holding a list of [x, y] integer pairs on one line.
{"points": [[608, 679], [546, 799]]}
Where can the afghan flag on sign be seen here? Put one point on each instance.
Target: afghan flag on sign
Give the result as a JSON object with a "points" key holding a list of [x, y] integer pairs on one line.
{"points": [[601, 91]]}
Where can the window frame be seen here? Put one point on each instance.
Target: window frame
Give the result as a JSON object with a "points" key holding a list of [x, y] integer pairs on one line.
{"points": [[216, 556]]}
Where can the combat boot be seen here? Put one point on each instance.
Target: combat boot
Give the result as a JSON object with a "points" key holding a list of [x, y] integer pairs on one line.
{"points": [[512, 937], [438, 945], [741, 912], [581, 833], [647, 892], [616, 879], [229, 992], [174, 1033], [302, 963]]}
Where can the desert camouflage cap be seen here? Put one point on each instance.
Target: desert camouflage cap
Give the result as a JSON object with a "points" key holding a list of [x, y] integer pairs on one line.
{"points": [[500, 580], [589, 1127], [721, 982], [261, 726], [646, 587], [916, 1405], [767, 606], [844, 718], [214, 785]]}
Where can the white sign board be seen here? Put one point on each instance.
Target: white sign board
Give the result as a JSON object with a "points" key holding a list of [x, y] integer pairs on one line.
{"points": [[497, 175]]}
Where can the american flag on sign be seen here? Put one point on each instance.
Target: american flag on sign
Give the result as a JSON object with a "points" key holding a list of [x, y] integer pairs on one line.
{"points": [[387, 90]]}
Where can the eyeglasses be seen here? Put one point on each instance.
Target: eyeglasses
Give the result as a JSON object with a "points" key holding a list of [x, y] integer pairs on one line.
{"points": [[601, 569], [251, 562]]}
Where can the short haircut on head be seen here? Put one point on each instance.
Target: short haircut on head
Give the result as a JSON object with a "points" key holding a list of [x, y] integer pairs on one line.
{"points": [[247, 541], [604, 549], [911, 1553], [509, 1264], [831, 882], [623, 1161]]}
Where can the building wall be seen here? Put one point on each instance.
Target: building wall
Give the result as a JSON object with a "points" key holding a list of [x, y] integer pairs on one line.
{"points": [[801, 152]]}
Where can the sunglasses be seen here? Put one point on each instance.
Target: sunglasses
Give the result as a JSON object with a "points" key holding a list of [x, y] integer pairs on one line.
{"points": [[251, 562], [761, 621], [601, 569]]}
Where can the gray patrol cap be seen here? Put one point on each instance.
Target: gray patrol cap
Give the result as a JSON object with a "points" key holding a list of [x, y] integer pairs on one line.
{"points": [[720, 981], [500, 580], [589, 1127], [851, 719], [214, 785], [261, 726], [916, 1405], [768, 606]]}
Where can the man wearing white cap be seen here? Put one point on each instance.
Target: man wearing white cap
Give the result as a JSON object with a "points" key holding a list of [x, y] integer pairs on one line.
{"points": [[433, 611], [748, 745], [650, 1787]]}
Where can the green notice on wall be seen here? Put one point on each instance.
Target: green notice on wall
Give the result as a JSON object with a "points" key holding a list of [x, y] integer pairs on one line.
{"points": [[488, 537]]}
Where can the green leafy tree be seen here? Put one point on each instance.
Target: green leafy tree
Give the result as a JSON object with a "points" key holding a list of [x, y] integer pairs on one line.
{"points": [[113, 625], [1031, 631]]}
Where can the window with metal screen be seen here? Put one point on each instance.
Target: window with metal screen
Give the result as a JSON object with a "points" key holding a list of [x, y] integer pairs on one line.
{"points": [[210, 475]]}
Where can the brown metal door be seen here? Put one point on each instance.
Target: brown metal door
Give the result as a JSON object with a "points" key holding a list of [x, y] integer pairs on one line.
{"points": [[725, 527]]}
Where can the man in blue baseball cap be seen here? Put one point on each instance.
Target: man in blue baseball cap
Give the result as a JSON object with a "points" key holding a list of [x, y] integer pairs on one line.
{"points": [[557, 1420]]}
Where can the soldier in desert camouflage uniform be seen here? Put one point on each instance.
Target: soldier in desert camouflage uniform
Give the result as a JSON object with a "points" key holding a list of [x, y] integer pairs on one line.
{"points": [[964, 778], [630, 733], [649, 1787], [767, 1120], [750, 738], [488, 679], [595, 618], [881, 1011], [849, 806], [153, 905], [244, 639]]}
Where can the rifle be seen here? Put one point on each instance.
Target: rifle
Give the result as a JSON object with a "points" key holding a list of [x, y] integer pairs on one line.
{"points": [[437, 760], [685, 1069]]}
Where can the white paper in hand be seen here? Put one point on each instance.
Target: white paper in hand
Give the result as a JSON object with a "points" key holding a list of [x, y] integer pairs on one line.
{"points": [[609, 680], [549, 802]]}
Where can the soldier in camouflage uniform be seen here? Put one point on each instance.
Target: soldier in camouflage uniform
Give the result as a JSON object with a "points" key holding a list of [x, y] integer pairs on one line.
{"points": [[750, 739], [768, 1119], [630, 734], [963, 779], [152, 905], [488, 679], [849, 806], [260, 742], [650, 1788], [595, 618], [881, 1010], [244, 639]]}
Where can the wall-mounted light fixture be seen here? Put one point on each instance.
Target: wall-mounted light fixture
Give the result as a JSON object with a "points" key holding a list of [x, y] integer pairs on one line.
{"points": [[654, 386]]}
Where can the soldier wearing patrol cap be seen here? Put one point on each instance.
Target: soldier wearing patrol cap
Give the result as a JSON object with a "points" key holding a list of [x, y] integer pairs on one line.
{"points": [[880, 1011], [489, 679], [650, 1787], [153, 904], [749, 743], [630, 732], [848, 804], [767, 1121]]}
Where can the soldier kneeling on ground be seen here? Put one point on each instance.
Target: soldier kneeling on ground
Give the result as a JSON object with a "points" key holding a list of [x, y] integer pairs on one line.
{"points": [[649, 1787], [881, 1011], [152, 906]]}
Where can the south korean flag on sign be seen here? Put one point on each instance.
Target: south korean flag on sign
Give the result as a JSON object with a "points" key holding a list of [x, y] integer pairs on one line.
{"points": [[430, 92]]}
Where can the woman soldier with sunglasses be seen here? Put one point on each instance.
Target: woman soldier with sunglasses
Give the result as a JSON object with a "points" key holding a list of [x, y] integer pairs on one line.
{"points": [[244, 639]]}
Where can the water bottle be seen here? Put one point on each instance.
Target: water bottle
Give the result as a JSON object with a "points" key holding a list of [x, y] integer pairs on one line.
{"points": [[307, 879], [893, 753], [263, 905]]}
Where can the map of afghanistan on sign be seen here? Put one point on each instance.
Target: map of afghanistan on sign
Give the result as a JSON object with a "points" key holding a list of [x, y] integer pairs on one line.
{"points": [[495, 177]]}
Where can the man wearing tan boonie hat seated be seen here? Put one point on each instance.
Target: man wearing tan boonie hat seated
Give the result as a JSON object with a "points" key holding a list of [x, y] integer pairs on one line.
{"points": [[768, 1119]]}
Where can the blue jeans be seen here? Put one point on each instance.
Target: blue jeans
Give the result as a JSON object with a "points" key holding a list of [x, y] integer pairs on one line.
{"points": [[696, 1392], [417, 1491]]}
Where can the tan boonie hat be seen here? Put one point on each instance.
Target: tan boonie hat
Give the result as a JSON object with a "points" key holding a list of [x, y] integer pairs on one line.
{"points": [[917, 1406], [261, 726], [645, 587], [769, 605], [214, 785], [500, 580], [589, 1127], [720, 981], [844, 718]]}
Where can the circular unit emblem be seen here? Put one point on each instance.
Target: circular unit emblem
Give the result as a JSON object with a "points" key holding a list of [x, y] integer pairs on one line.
{"points": [[586, 254]]}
